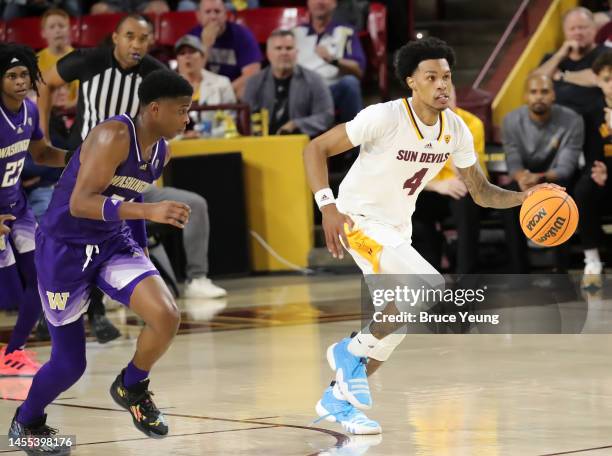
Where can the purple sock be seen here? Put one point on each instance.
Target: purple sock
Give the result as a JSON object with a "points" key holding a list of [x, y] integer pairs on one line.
{"points": [[30, 307], [133, 375], [12, 288], [64, 368]]}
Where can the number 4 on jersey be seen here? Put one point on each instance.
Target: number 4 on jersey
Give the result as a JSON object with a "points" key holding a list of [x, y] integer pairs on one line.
{"points": [[414, 182]]}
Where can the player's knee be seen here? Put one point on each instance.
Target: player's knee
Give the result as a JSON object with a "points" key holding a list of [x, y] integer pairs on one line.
{"points": [[168, 317], [71, 365]]}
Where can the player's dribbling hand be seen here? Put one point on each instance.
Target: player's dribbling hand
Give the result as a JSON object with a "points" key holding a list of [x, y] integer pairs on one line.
{"points": [[333, 226], [535, 188], [3, 228], [168, 212]]}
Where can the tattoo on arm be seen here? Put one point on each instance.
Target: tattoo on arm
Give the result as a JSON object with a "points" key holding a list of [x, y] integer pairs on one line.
{"points": [[486, 194]]}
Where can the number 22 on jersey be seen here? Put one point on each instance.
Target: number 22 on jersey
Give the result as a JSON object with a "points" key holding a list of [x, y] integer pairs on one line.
{"points": [[12, 173]]}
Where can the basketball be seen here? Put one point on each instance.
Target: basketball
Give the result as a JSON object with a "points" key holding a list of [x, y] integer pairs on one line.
{"points": [[549, 217]]}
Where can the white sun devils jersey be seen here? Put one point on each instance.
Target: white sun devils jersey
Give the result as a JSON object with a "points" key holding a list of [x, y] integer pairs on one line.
{"points": [[399, 155]]}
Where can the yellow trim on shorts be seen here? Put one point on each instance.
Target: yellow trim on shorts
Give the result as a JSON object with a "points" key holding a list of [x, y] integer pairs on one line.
{"points": [[367, 247]]}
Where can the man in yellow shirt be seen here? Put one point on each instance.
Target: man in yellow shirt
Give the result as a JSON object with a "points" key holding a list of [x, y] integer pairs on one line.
{"points": [[55, 29], [447, 195]]}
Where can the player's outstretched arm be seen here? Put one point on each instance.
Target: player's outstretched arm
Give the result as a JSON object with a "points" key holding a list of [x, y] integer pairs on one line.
{"points": [[44, 153], [52, 81], [486, 194], [316, 153], [106, 147]]}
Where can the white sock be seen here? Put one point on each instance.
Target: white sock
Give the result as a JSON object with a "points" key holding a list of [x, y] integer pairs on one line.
{"points": [[591, 256], [361, 344]]}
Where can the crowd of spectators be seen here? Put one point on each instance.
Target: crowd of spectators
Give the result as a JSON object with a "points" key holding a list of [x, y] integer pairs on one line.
{"points": [[311, 77]]}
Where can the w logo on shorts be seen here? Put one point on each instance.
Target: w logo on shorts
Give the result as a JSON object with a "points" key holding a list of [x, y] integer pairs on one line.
{"points": [[57, 301]]}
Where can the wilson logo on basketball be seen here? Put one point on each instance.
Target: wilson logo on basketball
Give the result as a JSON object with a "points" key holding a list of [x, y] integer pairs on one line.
{"points": [[536, 218], [549, 216], [554, 230]]}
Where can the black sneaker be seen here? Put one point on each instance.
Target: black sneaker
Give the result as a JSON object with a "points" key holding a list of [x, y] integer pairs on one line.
{"points": [[40, 430], [42, 330], [103, 329], [137, 400]]}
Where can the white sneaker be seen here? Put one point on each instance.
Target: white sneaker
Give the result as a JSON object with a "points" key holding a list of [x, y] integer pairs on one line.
{"points": [[592, 274], [202, 287]]}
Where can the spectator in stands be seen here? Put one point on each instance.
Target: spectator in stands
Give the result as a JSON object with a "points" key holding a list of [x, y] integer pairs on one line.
{"points": [[297, 99], [447, 195], [232, 49], [39, 180], [22, 8], [208, 88], [594, 189], [570, 67], [543, 142], [334, 52]]}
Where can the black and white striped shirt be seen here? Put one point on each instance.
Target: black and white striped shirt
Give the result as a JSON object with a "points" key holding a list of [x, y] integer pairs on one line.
{"points": [[105, 89]]}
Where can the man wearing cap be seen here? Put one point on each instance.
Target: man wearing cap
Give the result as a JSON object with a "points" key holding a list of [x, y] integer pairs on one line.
{"points": [[208, 88]]}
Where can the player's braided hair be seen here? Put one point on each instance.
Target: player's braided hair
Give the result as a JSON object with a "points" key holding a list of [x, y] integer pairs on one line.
{"points": [[408, 57], [25, 56]]}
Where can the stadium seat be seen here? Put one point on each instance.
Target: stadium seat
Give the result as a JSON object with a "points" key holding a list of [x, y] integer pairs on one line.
{"points": [[25, 30], [95, 28], [262, 21], [173, 25], [2, 32], [75, 30]]}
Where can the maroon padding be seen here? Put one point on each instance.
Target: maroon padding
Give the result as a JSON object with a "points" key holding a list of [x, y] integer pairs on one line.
{"points": [[263, 21], [173, 25], [96, 28], [604, 33], [25, 30]]}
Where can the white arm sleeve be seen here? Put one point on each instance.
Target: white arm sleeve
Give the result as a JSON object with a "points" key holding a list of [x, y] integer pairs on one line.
{"points": [[463, 154], [371, 123]]}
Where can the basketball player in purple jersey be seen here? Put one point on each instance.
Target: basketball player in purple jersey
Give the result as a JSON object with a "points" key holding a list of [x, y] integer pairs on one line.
{"points": [[19, 134], [84, 242]]}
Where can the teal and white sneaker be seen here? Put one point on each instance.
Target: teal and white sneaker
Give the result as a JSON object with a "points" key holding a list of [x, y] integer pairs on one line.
{"points": [[336, 410], [351, 374]]}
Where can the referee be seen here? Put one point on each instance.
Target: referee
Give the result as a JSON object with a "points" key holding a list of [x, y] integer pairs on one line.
{"points": [[109, 78]]}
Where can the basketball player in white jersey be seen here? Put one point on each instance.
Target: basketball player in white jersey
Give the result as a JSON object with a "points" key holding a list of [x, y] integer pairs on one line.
{"points": [[404, 144]]}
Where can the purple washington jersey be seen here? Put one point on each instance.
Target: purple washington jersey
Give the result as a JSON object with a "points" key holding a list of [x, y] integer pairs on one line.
{"points": [[131, 178], [75, 254], [16, 131]]}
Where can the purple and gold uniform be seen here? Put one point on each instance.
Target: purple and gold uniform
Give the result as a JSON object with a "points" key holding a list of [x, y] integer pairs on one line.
{"points": [[74, 254], [16, 131]]}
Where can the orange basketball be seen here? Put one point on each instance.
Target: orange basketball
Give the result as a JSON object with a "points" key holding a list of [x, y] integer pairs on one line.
{"points": [[549, 217]]}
